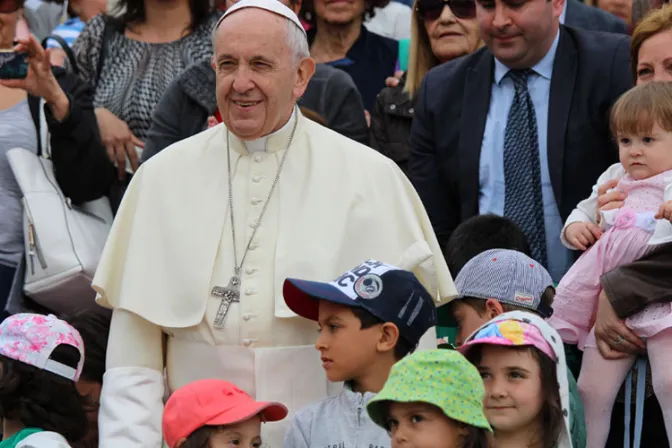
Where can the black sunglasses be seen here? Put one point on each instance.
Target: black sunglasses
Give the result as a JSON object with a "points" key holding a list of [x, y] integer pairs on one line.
{"points": [[8, 6], [432, 9]]}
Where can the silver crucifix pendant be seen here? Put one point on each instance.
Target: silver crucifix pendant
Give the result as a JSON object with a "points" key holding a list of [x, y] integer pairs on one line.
{"points": [[228, 295]]}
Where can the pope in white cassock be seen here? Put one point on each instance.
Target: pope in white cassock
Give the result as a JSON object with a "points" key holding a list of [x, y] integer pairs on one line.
{"points": [[210, 228]]}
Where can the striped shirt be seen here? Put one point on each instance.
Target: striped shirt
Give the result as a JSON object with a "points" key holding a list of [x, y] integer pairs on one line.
{"points": [[68, 30]]}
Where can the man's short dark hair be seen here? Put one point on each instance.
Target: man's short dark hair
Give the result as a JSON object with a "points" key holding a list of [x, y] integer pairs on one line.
{"points": [[368, 320], [481, 233]]}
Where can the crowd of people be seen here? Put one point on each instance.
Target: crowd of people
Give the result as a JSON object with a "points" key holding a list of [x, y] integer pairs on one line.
{"points": [[341, 223]]}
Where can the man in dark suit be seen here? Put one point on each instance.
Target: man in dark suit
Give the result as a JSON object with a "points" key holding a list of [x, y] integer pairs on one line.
{"points": [[579, 15], [520, 127]]}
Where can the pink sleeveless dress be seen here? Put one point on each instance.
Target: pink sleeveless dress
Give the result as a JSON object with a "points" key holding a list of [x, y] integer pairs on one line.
{"points": [[624, 241]]}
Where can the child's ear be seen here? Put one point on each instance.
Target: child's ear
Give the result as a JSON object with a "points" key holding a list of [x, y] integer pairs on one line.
{"points": [[389, 335], [493, 308]]}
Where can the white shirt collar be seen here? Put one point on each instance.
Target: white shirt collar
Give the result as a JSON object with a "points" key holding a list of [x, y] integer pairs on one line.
{"points": [[543, 68], [259, 145]]}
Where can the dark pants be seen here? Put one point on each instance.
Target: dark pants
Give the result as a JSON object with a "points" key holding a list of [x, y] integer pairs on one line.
{"points": [[653, 427], [7, 275]]}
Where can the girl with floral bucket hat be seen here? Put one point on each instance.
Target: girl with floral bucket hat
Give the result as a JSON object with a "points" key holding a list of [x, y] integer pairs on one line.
{"points": [[433, 399], [41, 359], [522, 362]]}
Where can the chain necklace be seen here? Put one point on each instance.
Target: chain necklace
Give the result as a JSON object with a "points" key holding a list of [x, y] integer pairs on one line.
{"points": [[231, 293]]}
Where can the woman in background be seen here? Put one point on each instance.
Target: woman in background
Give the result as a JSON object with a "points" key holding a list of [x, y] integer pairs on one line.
{"points": [[442, 30], [142, 49]]}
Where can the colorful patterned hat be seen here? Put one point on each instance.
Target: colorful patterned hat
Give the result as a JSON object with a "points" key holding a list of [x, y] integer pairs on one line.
{"points": [[443, 378], [511, 333], [31, 338]]}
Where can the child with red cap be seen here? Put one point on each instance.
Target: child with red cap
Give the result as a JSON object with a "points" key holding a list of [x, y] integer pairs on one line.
{"points": [[216, 414]]}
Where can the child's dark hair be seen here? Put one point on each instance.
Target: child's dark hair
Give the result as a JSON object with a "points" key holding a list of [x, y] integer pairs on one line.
{"points": [[552, 417], [368, 320], [41, 399], [475, 437], [200, 438], [94, 327], [547, 298], [481, 233]]}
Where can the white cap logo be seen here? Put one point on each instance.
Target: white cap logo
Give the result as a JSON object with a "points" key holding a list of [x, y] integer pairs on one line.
{"points": [[363, 281], [369, 286]]}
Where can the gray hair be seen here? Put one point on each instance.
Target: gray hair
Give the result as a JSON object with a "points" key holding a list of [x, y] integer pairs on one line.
{"points": [[296, 40]]}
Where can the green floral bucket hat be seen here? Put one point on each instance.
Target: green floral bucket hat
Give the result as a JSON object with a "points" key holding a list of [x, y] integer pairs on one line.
{"points": [[443, 378]]}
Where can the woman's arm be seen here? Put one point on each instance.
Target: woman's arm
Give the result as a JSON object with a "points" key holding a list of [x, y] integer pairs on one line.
{"points": [[632, 287], [81, 166], [171, 120]]}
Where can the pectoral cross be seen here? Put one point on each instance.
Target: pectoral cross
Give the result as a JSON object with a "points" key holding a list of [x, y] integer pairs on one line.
{"points": [[228, 295]]}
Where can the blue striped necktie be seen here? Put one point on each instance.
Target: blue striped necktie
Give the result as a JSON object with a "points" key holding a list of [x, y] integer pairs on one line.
{"points": [[523, 202]]}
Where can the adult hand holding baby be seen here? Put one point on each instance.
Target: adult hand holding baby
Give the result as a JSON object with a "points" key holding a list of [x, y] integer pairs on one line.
{"points": [[608, 198], [665, 211]]}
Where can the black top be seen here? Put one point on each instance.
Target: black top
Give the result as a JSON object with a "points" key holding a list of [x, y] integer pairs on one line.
{"points": [[370, 60]]}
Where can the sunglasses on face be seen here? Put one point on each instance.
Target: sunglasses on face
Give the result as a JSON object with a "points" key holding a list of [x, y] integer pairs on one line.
{"points": [[432, 9], [8, 6]]}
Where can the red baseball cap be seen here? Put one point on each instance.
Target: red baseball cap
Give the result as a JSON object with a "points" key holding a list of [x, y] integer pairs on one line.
{"points": [[212, 403]]}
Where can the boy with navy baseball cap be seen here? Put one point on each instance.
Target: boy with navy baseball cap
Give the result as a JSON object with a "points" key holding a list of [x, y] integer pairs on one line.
{"points": [[368, 318]]}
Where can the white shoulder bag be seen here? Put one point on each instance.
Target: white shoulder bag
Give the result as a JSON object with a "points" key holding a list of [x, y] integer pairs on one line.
{"points": [[63, 242]]}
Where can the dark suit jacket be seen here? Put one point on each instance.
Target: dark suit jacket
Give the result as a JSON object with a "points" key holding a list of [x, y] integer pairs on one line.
{"points": [[586, 17], [590, 71]]}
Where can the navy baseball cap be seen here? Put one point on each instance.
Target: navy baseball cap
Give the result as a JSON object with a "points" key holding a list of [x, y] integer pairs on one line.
{"points": [[389, 293], [507, 276]]}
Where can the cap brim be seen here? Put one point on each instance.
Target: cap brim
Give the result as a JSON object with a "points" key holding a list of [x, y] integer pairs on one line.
{"points": [[301, 296], [270, 412], [490, 340]]}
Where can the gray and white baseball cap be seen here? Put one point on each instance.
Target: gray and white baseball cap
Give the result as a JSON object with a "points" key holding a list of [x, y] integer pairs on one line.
{"points": [[507, 276]]}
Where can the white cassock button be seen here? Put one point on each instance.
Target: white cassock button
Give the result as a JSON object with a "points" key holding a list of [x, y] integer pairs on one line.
{"points": [[250, 271], [246, 342], [246, 318], [250, 292], [256, 179], [258, 158], [254, 246], [255, 201], [253, 224]]}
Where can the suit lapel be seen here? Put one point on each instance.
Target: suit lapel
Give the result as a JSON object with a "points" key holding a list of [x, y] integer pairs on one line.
{"points": [[560, 103], [475, 105]]}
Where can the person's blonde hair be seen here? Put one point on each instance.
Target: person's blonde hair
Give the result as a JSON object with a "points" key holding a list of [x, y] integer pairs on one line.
{"points": [[656, 21], [640, 108], [421, 58]]}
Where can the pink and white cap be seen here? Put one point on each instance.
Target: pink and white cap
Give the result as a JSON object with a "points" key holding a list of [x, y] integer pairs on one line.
{"points": [[31, 339]]}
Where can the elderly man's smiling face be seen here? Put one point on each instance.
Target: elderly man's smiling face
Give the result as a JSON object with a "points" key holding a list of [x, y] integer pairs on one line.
{"points": [[258, 75]]}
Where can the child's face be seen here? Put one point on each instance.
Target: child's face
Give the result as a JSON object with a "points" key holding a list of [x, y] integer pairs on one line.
{"points": [[646, 155], [513, 392], [421, 425], [246, 434], [468, 320], [346, 349]]}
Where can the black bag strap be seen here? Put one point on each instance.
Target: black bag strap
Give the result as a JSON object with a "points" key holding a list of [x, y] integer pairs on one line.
{"points": [[66, 48], [108, 32]]}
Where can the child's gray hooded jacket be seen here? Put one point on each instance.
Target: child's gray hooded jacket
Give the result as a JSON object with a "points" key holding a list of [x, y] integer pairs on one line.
{"points": [[337, 422]]}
